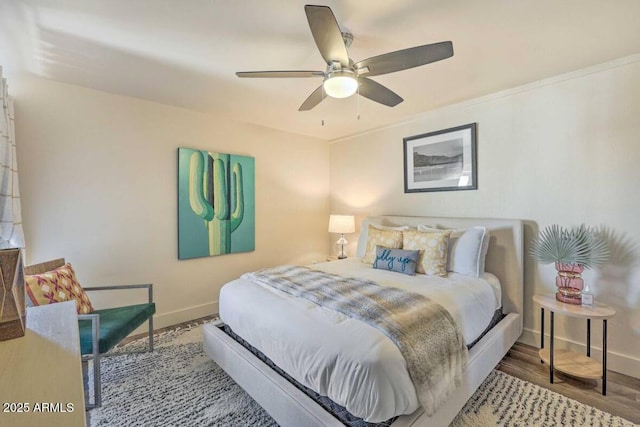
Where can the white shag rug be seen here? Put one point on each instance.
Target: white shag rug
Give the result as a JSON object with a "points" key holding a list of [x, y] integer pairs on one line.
{"points": [[179, 385]]}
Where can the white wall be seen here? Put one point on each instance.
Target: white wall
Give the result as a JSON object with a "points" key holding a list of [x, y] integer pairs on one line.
{"points": [[98, 178], [565, 150], [98, 183]]}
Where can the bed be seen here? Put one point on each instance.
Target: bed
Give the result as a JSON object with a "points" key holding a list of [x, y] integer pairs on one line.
{"points": [[270, 331]]}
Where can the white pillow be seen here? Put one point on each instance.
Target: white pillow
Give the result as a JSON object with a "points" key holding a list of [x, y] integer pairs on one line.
{"points": [[467, 250], [364, 234]]}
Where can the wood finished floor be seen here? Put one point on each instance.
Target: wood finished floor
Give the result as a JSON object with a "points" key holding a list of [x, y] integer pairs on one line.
{"points": [[623, 392], [522, 361]]}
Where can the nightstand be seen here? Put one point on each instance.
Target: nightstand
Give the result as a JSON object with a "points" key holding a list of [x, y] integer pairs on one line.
{"points": [[569, 362]]}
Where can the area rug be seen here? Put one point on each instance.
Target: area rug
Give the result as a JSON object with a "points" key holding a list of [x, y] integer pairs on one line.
{"points": [[179, 385]]}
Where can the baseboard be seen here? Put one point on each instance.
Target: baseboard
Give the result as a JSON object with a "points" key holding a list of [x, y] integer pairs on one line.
{"points": [[162, 320], [622, 363]]}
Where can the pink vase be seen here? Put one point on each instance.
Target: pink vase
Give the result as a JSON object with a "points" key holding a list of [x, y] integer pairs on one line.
{"points": [[569, 283]]}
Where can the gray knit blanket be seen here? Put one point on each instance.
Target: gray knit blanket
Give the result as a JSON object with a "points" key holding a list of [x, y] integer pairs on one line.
{"points": [[425, 333]]}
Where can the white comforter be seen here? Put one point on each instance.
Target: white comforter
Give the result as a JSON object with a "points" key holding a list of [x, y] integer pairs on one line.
{"points": [[347, 360]]}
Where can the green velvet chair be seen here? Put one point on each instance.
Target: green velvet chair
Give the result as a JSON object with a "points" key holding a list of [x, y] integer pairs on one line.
{"points": [[102, 329]]}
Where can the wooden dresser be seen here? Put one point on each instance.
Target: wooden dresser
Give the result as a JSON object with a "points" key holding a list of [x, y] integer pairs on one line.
{"points": [[41, 373]]}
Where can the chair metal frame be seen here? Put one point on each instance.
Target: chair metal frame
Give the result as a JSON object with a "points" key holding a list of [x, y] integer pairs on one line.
{"points": [[95, 325], [95, 339]]}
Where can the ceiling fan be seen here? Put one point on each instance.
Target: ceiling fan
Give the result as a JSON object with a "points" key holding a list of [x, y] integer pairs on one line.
{"points": [[343, 77]]}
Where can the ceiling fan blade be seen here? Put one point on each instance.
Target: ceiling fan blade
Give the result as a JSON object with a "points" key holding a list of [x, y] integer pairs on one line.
{"points": [[404, 59], [327, 35], [314, 99], [279, 74], [378, 93]]}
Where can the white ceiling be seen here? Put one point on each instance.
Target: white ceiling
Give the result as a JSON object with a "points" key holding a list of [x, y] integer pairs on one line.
{"points": [[185, 52]]}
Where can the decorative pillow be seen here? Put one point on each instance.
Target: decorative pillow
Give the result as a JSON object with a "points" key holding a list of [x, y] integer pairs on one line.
{"points": [[432, 246], [396, 260], [391, 239], [57, 285], [467, 250], [363, 238]]}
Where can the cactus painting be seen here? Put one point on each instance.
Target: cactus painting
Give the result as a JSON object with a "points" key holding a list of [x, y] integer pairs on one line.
{"points": [[216, 208]]}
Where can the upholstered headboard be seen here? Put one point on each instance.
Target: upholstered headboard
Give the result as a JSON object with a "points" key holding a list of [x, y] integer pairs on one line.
{"points": [[504, 257]]}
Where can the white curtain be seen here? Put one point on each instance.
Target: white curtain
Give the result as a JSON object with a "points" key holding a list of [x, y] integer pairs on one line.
{"points": [[11, 234]]}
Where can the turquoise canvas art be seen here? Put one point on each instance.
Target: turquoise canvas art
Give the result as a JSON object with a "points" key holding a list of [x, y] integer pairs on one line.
{"points": [[216, 203]]}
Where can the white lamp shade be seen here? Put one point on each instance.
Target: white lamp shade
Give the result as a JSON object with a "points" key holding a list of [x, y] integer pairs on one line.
{"points": [[340, 86], [342, 224]]}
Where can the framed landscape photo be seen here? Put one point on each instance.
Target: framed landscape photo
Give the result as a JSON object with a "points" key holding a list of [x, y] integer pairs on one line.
{"points": [[444, 160]]}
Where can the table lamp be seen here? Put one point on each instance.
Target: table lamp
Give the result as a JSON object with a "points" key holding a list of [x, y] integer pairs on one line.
{"points": [[342, 224]]}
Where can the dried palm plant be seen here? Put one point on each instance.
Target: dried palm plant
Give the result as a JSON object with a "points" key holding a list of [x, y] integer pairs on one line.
{"points": [[576, 245]]}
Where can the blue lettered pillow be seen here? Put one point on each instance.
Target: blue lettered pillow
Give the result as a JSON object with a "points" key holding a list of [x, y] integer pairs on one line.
{"points": [[396, 260]]}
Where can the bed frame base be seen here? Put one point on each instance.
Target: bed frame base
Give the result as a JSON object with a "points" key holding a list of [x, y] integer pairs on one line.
{"points": [[291, 407]]}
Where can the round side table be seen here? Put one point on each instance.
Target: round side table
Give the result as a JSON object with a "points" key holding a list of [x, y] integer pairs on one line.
{"points": [[570, 362]]}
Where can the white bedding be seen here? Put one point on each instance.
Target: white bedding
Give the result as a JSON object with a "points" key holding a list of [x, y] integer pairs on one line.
{"points": [[347, 360]]}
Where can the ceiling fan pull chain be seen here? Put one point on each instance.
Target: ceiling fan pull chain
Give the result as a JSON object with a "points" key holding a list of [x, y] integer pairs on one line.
{"points": [[358, 100]]}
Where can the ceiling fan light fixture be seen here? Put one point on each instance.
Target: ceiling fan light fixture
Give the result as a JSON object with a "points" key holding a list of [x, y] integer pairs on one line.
{"points": [[340, 84]]}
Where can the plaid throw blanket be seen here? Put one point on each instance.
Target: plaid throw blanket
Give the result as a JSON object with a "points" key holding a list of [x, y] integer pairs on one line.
{"points": [[428, 338]]}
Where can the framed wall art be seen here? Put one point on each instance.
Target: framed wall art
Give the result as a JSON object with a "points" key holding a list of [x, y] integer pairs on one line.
{"points": [[216, 203], [444, 160]]}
